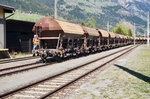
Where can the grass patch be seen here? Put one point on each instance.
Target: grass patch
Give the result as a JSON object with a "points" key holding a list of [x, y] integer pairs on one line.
{"points": [[128, 78], [95, 81], [19, 55], [106, 96], [25, 16], [93, 96], [29, 17], [83, 93]]}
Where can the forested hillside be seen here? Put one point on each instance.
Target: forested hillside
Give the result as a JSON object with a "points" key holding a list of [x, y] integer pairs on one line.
{"points": [[29, 6], [78, 11]]}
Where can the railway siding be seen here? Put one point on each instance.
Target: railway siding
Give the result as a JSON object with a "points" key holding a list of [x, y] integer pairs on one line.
{"points": [[21, 61], [127, 78], [67, 76], [8, 83]]}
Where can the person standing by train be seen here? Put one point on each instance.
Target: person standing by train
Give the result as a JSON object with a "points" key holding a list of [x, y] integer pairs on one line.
{"points": [[35, 44]]}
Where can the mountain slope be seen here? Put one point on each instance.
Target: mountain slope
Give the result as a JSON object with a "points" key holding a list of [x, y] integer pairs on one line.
{"points": [[77, 11], [29, 6], [138, 7], [102, 10]]}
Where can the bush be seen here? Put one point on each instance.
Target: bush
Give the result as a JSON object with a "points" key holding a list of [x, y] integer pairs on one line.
{"points": [[120, 29]]}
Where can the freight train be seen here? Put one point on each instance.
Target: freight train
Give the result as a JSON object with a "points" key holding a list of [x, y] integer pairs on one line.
{"points": [[60, 39]]}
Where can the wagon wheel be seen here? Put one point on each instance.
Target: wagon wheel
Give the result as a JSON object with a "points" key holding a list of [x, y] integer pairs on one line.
{"points": [[43, 57], [58, 57]]}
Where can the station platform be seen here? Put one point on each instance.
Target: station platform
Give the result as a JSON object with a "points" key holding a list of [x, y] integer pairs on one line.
{"points": [[4, 54]]}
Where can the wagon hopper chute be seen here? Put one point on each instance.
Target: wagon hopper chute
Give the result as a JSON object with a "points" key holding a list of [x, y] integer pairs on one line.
{"points": [[91, 40], [104, 36], [112, 39]]}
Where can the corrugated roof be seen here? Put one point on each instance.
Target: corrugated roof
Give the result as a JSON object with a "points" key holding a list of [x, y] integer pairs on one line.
{"points": [[48, 24], [103, 33], [131, 37], [121, 36], [70, 28], [112, 35], [128, 37], [124, 37], [7, 9], [137, 38], [142, 38], [90, 31], [117, 35]]}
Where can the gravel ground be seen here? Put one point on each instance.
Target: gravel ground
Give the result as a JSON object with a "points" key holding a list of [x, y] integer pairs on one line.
{"points": [[128, 78], [12, 64], [12, 81]]}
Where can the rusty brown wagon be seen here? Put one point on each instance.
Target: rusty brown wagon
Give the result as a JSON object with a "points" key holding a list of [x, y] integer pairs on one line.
{"points": [[58, 38], [62, 39]]}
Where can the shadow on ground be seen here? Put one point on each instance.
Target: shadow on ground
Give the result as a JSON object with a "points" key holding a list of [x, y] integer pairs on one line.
{"points": [[136, 74]]}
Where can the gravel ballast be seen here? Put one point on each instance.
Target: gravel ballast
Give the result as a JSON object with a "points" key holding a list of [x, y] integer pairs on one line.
{"points": [[16, 80], [128, 78], [13, 64]]}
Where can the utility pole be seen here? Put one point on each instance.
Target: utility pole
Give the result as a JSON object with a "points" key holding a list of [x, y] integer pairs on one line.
{"points": [[55, 10], [134, 33], [108, 26], [148, 29], [144, 34]]}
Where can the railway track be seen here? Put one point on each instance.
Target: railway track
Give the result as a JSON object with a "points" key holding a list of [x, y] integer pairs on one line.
{"points": [[13, 70], [18, 59], [17, 69], [50, 86]]}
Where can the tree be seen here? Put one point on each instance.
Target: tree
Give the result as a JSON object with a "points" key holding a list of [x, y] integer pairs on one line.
{"points": [[130, 32], [120, 29], [83, 23], [91, 23]]}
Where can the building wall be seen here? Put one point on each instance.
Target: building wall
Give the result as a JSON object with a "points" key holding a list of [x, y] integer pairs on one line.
{"points": [[2, 38], [19, 36]]}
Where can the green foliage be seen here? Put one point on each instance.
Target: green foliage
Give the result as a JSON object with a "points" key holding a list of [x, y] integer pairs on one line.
{"points": [[83, 23], [29, 6], [24, 16], [129, 32], [120, 29], [90, 23], [77, 11]]}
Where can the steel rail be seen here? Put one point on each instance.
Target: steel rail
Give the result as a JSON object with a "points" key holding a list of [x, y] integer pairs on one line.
{"points": [[71, 82], [29, 67], [18, 59], [54, 76], [14, 67]]}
